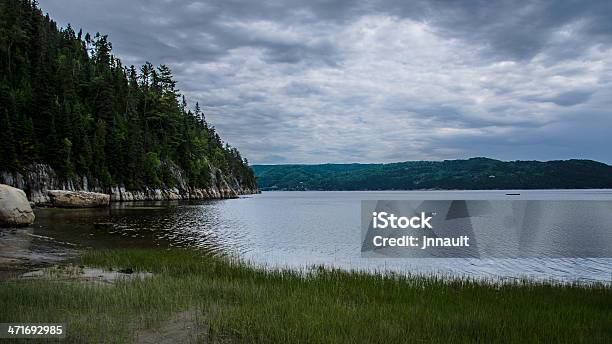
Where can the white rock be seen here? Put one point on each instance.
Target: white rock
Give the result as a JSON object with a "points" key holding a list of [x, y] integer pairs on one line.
{"points": [[15, 209], [78, 199]]}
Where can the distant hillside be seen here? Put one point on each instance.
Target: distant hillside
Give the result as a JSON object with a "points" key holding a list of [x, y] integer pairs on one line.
{"points": [[471, 174]]}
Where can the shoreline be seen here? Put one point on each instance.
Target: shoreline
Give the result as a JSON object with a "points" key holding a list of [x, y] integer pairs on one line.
{"points": [[38, 179], [152, 195], [23, 251], [104, 228], [232, 297]]}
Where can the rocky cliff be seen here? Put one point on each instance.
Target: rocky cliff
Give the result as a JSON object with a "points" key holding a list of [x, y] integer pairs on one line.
{"points": [[38, 179]]}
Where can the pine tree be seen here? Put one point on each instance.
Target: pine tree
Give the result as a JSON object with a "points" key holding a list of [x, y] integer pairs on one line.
{"points": [[66, 101]]}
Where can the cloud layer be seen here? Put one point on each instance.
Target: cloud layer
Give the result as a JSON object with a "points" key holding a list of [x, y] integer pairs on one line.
{"points": [[333, 81]]}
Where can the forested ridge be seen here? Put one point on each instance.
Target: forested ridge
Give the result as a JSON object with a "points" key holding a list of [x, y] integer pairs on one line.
{"points": [[66, 101], [471, 174]]}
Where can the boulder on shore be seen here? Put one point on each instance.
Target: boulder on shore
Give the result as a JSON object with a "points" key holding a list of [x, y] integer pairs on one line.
{"points": [[15, 209], [78, 199]]}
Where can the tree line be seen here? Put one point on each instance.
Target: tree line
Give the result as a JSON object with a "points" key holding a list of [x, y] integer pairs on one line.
{"points": [[67, 101], [470, 174]]}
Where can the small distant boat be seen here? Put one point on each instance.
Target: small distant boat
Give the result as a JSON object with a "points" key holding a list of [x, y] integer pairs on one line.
{"points": [[513, 194]]}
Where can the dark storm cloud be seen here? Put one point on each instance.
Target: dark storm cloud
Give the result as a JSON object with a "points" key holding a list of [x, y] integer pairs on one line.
{"points": [[188, 31], [572, 98], [569, 98], [517, 29], [317, 81]]}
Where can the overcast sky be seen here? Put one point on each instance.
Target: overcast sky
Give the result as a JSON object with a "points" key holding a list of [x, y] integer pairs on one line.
{"points": [[381, 81]]}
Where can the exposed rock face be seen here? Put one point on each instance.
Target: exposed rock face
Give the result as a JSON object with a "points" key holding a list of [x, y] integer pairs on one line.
{"points": [[15, 209], [38, 179], [78, 199]]}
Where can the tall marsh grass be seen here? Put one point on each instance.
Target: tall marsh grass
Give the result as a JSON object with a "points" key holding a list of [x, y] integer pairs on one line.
{"points": [[237, 302]]}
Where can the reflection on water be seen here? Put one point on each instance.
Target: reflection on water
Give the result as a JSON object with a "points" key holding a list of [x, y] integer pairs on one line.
{"points": [[297, 229]]}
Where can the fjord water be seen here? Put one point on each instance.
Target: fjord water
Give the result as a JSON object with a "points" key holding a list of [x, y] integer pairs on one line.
{"points": [[299, 230]]}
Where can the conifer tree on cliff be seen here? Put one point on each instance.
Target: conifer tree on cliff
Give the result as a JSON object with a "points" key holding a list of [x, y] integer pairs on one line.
{"points": [[67, 102]]}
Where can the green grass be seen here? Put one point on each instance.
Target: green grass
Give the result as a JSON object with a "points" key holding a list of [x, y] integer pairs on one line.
{"points": [[239, 303]]}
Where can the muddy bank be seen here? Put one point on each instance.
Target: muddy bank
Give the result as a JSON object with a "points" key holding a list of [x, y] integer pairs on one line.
{"points": [[21, 250], [85, 274], [59, 234]]}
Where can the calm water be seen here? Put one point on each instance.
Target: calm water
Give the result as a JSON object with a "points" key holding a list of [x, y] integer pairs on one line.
{"points": [[298, 230]]}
